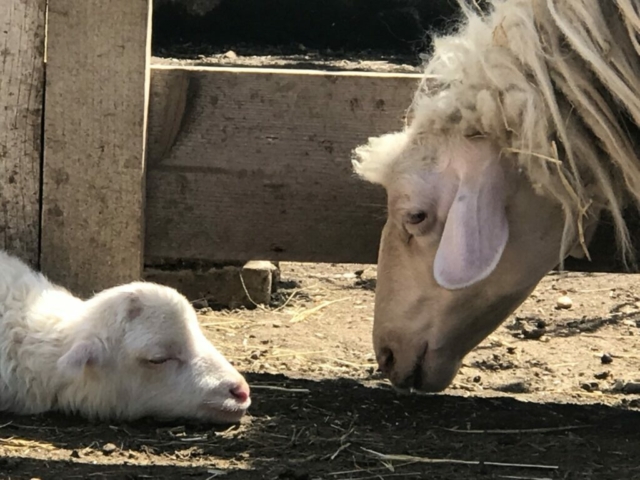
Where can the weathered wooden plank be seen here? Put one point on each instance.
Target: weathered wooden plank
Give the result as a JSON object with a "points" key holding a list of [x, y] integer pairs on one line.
{"points": [[95, 122], [256, 164], [21, 101], [249, 164]]}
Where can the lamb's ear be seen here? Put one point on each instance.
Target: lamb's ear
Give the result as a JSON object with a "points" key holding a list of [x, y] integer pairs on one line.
{"points": [[476, 230], [81, 354], [131, 306]]}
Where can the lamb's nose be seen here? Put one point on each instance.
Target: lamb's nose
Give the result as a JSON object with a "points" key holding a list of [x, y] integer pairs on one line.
{"points": [[241, 391]]}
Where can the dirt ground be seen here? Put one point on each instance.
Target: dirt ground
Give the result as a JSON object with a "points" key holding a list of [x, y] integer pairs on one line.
{"points": [[535, 401]]}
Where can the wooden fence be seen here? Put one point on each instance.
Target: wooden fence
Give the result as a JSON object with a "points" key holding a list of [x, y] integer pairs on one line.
{"points": [[110, 162]]}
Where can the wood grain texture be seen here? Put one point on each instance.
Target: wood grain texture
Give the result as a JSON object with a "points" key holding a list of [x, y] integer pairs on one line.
{"points": [[21, 100], [256, 164], [95, 122], [248, 164]]}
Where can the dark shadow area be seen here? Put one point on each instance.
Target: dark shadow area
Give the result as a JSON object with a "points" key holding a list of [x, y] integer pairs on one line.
{"points": [[18, 468], [605, 255], [397, 27], [303, 429]]}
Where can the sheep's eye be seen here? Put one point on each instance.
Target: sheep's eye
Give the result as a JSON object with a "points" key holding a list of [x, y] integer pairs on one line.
{"points": [[414, 218]]}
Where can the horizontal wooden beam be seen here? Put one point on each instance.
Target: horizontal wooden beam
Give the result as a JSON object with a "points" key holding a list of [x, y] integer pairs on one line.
{"points": [[256, 164]]}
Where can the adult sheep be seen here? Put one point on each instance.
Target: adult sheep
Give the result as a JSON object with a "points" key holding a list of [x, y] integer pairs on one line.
{"points": [[524, 130], [130, 351]]}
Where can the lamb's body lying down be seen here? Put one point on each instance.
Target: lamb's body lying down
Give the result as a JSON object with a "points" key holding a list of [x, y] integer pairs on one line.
{"points": [[130, 351]]}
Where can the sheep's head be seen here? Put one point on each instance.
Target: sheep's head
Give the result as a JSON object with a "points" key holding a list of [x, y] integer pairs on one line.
{"points": [[138, 350], [466, 241]]}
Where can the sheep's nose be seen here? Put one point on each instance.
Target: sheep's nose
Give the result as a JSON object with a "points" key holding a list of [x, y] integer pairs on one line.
{"points": [[240, 391], [405, 368], [386, 361]]}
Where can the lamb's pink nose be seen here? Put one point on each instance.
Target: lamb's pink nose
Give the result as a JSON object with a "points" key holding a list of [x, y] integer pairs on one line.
{"points": [[240, 392]]}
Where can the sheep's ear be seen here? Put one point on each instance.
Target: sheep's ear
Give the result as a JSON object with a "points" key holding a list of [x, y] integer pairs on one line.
{"points": [[83, 353], [131, 307], [476, 230]]}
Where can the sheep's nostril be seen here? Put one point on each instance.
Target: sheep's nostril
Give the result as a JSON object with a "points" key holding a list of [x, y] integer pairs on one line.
{"points": [[240, 392], [415, 379], [386, 360]]}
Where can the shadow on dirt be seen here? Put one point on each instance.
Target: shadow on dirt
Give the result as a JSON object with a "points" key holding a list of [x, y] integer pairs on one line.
{"points": [[302, 429]]}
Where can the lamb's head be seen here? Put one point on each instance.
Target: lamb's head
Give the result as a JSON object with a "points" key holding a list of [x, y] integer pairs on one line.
{"points": [[466, 240], [138, 350]]}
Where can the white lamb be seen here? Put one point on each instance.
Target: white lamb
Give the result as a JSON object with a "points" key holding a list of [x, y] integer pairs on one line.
{"points": [[131, 351]]}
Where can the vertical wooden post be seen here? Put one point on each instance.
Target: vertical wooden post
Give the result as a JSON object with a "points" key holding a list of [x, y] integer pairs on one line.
{"points": [[98, 55], [21, 101]]}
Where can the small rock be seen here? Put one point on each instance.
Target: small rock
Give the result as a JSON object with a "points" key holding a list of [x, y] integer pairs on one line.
{"points": [[606, 358], [511, 350], [109, 448], [518, 386], [602, 375], [255, 355], [631, 387], [618, 386], [75, 454], [541, 324], [564, 302], [590, 386], [231, 55], [277, 324], [533, 333], [477, 379], [200, 304]]}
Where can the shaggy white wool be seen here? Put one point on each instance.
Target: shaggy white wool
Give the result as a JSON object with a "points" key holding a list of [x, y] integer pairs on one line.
{"points": [[130, 351], [554, 83]]}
